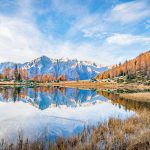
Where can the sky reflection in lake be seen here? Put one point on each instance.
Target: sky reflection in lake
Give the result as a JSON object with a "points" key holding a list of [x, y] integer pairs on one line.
{"points": [[56, 112]]}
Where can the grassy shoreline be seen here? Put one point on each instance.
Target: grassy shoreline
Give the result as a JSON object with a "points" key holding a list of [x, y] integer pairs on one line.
{"points": [[82, 84], [145, 97], [99, 85], [130, 134]]}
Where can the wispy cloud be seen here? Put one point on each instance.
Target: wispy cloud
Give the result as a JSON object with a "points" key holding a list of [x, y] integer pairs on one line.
{"points": [[111, 20], [127, 39], [89, 26], [130, 11]]}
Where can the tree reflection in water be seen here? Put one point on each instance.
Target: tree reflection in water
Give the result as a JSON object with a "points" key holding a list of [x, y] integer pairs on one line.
{"points": [[43, 97]]}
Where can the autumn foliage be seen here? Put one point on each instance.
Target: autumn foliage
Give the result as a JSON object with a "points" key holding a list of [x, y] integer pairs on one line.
{"points": [[15, 74], [23, 74], [140, 66]]}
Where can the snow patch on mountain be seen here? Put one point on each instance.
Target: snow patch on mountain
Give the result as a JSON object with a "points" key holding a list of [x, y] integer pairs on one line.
{"points": [[56, 67]]}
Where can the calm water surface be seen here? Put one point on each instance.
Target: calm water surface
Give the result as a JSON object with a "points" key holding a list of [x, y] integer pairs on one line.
{"points": [[36, 112]]}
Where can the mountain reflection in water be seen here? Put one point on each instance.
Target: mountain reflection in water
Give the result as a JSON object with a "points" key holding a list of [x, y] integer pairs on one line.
{"points": [[56, 111]]}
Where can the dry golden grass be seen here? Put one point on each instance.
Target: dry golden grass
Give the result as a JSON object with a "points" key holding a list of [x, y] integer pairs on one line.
{"points": [[85, 84], [136, 96], [130, 134]]}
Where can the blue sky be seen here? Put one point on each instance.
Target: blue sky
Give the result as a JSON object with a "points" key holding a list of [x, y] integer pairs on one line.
{"points": [[104, 31]]}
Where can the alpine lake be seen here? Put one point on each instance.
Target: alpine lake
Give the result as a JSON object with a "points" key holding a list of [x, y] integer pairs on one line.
{"points": [[57, 111]]}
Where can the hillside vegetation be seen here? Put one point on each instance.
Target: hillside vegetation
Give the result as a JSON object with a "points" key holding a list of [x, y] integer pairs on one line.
{"points": [[137, 69]]}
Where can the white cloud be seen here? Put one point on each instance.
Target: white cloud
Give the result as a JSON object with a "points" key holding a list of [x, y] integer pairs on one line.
{"points": [[130, 11], [126, 39], [19, 39]]}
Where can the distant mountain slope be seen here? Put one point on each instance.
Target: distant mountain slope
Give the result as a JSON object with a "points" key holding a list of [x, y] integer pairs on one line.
{"points": [[138, 67], [57, 67]]}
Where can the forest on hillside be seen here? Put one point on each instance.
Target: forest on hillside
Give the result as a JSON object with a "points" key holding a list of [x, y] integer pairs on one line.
{"points": [[135, 68]]}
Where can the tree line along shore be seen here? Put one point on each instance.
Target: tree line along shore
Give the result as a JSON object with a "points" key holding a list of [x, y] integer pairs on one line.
{"points": [[133, 71]]}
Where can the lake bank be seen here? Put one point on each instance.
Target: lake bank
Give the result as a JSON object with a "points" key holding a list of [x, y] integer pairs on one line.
{"points": [[100, 85], [145, 97], [84, 84]]}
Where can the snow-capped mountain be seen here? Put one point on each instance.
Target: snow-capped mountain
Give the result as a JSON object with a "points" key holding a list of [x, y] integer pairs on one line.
{"points": [[57, 67]]}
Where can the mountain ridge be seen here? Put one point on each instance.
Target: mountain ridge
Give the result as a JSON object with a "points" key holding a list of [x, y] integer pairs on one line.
{"points": [[68, 67]]}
